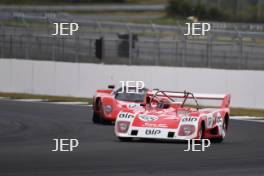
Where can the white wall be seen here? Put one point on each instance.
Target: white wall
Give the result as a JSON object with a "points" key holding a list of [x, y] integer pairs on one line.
{"points": [[74, 79]]}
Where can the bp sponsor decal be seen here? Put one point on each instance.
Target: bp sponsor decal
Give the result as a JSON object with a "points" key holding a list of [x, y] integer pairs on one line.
{"points": [[148, 118], [152, 132], [189, 119], [126, 115]]}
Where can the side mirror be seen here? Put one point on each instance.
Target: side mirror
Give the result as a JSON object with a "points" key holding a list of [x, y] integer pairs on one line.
{"points": [[111, 86], [143, 104], [148, 100]]}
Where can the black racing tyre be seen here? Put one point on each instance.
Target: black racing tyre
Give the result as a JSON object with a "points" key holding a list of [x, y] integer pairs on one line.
{"points": [[104, 122], [221, 139], [201, 133], [96, 118], [125, 139]]}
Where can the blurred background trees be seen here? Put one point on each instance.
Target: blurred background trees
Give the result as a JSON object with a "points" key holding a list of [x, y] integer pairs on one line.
{"points": [[220, 10], [58, 1]]}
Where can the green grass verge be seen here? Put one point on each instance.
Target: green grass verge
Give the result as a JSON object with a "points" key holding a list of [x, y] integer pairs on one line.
{"points": [[247, 112], [46, 97], [234, 111]]}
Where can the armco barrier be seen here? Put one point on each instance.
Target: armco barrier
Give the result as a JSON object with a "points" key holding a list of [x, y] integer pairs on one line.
{"points": [[82, 79]]}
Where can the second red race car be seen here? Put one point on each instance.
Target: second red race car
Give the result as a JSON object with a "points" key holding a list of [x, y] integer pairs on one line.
{"points": [[107, 103]]}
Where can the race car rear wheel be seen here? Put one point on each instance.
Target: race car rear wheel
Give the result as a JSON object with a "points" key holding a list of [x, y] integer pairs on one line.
{"points": [[223, 132], [201, 132], [125, 139]]}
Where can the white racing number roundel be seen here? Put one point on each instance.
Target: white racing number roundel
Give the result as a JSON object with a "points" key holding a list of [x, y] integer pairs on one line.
{"points": [[220, 125], [148, 118], [210, 121]]}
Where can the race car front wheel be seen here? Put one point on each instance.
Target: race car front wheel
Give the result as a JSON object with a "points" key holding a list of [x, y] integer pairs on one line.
{"points": [[96, 118]]}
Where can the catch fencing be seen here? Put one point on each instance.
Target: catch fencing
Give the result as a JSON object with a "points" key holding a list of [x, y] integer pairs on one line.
{"points": [[29, 36]]}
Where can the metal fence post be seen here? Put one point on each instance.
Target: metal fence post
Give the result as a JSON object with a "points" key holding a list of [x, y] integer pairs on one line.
{"points": [[176, 52], [241, 53], [102, 36], [53, 40], [184, 51], [130, 47], [130, 44], [28, 46], [209, 50], [2, 46], [10, 46], [77, 42], [184, 41], [157, 36], [63, 47], [28, 35], [159, 49], [3, 40], [90, 48], [240, 49]]}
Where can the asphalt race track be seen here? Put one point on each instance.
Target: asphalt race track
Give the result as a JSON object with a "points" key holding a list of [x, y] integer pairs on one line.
{"points": [[27, 130]]}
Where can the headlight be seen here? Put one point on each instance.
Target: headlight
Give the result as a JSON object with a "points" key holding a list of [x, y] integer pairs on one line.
{"points": [[108, 108], [122, 126], [186, 130]]}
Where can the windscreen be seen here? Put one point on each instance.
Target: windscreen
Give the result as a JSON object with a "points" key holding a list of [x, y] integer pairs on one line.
{"points": [[130, 94]]}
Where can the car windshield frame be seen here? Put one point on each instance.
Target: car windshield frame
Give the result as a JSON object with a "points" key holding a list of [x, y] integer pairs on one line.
{"points": [[130, 97], [185, 96]]}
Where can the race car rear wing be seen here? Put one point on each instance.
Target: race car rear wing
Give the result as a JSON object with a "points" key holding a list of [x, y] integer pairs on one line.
{"points": [[174, 94]]}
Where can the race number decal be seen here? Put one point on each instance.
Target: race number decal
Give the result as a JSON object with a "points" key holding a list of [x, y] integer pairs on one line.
{"points": [[220, 125], [148, 118], [210, 121], [133, 105]]}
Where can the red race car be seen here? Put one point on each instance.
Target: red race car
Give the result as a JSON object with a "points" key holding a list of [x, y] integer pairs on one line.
{"points": [[108, 102], [175, 116]]}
